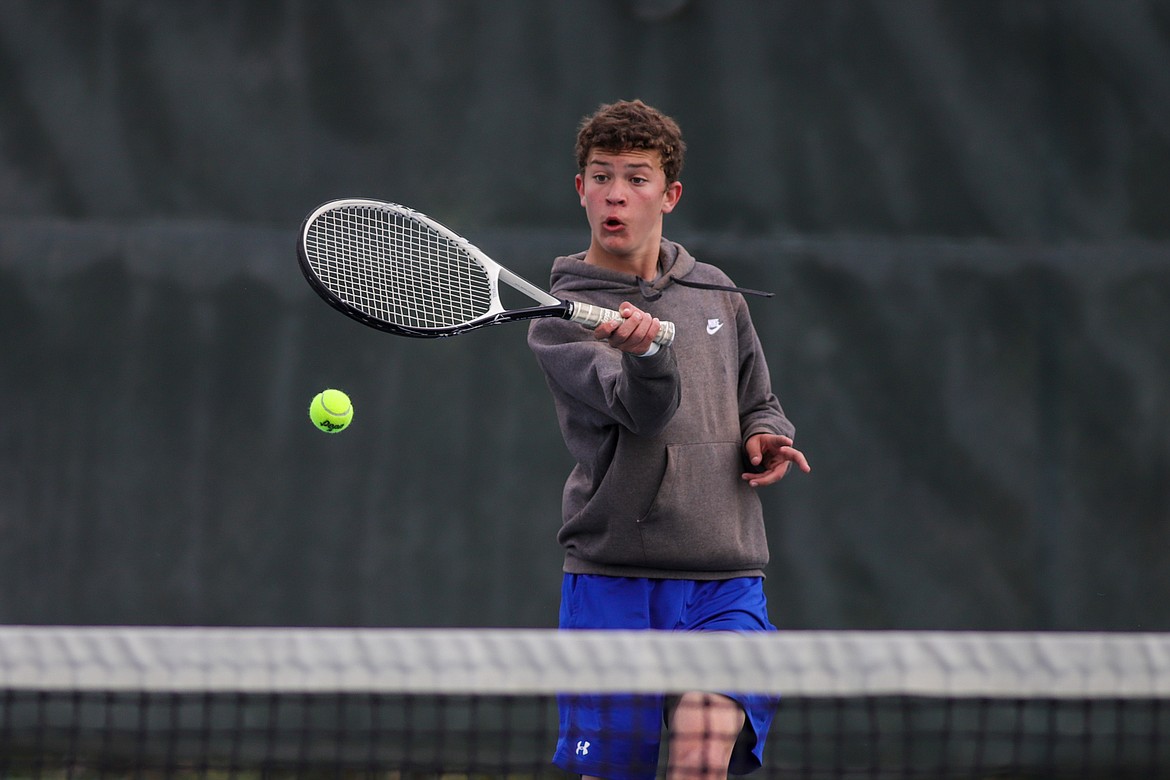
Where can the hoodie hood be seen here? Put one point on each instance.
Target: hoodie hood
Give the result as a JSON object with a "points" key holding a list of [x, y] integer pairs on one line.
{"points": [[572, 274]]}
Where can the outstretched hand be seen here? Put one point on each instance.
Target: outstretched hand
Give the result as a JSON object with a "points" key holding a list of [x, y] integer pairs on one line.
{"points": [[772, 454], [633, 332]]}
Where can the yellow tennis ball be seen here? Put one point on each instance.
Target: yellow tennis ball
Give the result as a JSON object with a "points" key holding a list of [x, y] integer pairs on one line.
{"points": [[331, 411]]}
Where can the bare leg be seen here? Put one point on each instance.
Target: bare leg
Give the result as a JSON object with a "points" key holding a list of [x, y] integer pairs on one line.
{"points": [[703, 731]]}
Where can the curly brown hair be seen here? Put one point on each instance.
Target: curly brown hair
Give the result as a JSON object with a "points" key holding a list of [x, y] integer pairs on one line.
{"points": [[631, 125]]}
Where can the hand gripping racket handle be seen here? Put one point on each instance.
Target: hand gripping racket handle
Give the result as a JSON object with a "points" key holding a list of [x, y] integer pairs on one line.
{"points": [[591, 316]]}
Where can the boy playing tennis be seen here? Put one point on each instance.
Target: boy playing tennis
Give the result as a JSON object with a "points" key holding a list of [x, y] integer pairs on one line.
{"points": [[661, 526]]}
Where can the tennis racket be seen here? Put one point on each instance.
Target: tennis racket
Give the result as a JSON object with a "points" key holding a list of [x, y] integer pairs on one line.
{"points": [[394, 269]]}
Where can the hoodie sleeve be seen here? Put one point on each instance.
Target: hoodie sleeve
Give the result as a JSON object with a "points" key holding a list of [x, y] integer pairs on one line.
{"points": [[601, 385], [760, 410]]}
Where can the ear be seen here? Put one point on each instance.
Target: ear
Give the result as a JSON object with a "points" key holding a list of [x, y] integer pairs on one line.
{"points": [[580, 182], [671, 196]]}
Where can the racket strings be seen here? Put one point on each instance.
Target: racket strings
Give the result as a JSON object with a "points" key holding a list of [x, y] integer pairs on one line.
{"points": [[397, 269]]}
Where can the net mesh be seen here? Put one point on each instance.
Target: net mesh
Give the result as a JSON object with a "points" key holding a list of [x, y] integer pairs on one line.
{"points": [[82, 702], [393, 267]]}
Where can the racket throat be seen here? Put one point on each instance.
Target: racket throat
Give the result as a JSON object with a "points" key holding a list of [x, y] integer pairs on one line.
{"points": [[521, 284]]}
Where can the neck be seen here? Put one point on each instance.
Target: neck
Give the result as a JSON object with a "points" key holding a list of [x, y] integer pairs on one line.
{"points": [[643, 263]]}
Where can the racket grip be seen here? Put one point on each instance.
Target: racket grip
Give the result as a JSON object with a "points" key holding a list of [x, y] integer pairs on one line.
{"points": [[591, 316]]}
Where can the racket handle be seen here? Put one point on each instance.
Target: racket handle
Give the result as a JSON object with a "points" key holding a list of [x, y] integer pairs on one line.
{"points": [[591, 316]]}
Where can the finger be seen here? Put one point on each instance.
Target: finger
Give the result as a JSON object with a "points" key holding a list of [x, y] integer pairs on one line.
{"points": [[768, 477], [653, 327], [632, 317], [641, 335], [797, 457], [606, 329], [753, 451], [632, 330], [628, 310]]}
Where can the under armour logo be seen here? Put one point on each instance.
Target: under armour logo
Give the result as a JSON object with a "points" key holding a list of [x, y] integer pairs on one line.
{"points": [[582, 748], [713, 326]]}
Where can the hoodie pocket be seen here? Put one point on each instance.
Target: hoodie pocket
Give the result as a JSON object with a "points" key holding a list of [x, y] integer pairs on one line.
{"points": [[704, 517]]}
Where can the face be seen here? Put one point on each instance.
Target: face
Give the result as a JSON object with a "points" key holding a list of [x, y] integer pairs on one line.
{"points": [[625, 196]]}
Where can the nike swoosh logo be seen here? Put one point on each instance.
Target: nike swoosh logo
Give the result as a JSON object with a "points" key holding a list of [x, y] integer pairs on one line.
{"points": [[713, 327]]}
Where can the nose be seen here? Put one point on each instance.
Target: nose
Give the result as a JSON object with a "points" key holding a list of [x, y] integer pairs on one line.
{"points": [[616, 194]]}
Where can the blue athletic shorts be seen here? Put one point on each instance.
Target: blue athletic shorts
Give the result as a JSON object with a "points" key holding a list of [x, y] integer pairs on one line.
{"points": [[619, 737]]}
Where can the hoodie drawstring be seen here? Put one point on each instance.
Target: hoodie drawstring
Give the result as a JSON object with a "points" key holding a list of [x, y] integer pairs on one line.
{"points": [[650, 294]]}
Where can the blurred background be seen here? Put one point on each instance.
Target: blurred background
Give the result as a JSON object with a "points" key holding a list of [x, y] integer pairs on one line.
{"points": [[962, 207]]}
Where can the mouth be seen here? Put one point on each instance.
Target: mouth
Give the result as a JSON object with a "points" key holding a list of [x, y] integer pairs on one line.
{"points": [[612, 224]]}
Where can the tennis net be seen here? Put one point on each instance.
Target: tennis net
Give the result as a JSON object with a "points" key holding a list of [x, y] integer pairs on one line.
{"points": [[179, 702]]}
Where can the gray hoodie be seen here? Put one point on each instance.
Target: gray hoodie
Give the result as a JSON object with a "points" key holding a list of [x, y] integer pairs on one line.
{"points": [[658, 440]]}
